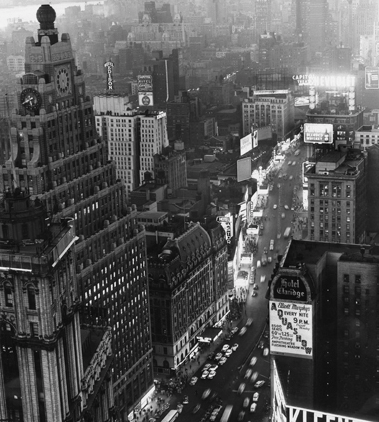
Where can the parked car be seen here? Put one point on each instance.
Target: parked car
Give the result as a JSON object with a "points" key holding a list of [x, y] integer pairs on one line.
{"points": [[225, 347], [206, 366], [218, 356], [204, 375], [213, 368], [265, 351], [254, 377], [259, 384], [250, 320], [228, 353], [193, 380], [211, 375], [243, 331], [256, 396], [253, 361], [246, 402], [222, 360], [235, 347], [253, 407]]}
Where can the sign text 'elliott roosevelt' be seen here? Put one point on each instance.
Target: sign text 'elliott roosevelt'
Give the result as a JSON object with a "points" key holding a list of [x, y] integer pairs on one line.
{"points": [[291, 328], [297, 414]]}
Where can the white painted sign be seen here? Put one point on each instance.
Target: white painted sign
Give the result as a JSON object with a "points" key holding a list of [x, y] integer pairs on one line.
{"points": [[297, 414], [291, 331]]}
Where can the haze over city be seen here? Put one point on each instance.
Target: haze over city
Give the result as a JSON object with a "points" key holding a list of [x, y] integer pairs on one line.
{"points": [[189, 211]]}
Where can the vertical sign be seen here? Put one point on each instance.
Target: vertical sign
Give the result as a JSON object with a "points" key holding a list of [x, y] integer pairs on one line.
{"points": [[372, 78], [145, 90], [109, 66]]}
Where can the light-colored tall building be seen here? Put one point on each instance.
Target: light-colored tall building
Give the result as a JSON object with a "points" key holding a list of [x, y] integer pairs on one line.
{"points": [[269, 108], [133, 137]]}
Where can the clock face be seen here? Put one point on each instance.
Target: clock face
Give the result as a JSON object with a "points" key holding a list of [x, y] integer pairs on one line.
{"points": [[145, 100], [31, 99], [63, 80]]}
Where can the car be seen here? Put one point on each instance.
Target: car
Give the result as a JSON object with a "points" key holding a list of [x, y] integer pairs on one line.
{"points": [[204, 375], [292, 209], [254, 376], [269, 259], [265, 250], [241, 388], [271, 244], [286, 207], [193, 380], [293, 163], [253, 361], [265, 335], [211, 375], [291, 177], [243, 331], [253, 407], [258, 264], [249, 320], [261, 344], [248, 373], [283, 215], [255, 286], [241, 415], [254, 294], [265, 351], [235, 347], [185, 400], [270, 188], [206, 366], [225, 347], [246, 402], [235, 330], [206, 393], [222, 360], [259, 384], [196, 408], [218, 356], [228, 353], [256, 396], [213, 368], [263, 278], [275, 207], [289, 163]]}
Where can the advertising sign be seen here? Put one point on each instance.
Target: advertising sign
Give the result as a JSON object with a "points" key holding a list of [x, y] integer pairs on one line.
{"points": [[297, 414], [318, 133], [279, 411], [109, 66], [290, 288], [145, 83], [291, 329], [255, 139], [246, 144], [226, 222], [372, 78], [325, 81], [243, 169], [145, 99]]}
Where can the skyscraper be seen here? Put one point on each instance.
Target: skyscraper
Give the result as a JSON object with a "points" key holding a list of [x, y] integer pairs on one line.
{"points": [[57, 157]]}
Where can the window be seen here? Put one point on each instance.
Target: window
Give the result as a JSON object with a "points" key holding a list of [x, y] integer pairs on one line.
{"points": [[34, 329], [357, 279], [8, 295], [346, 278], [31, 298]]}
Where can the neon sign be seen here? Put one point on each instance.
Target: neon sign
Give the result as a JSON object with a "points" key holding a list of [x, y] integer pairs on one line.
{"points": [[109, 65], [336, 81]]}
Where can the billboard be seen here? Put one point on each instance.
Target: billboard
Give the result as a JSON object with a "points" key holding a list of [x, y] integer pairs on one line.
{"points": [[244, 169], [372, 77], [291, 329], [109, 66], [226, 222], [264, 132], [325, 81], [246, 144], [145, 83], [255, 139], [318, 133], [298, 414], [145, 99]]}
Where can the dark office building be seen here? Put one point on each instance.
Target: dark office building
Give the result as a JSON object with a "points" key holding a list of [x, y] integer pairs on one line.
{"points": [[58, 158], [324, 336]]}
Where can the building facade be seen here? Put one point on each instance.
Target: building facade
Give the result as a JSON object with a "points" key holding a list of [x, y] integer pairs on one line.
{"points": [[188, 292], [57, 157], [170, 169], [337, 198], [269, 108]]}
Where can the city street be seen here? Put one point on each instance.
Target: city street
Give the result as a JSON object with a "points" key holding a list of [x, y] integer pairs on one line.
{"points": [[229, 376]]}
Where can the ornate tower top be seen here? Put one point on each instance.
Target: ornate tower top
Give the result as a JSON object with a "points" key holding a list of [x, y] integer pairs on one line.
{"points": [[46, 16]]}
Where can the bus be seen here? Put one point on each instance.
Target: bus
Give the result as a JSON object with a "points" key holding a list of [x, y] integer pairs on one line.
{"points": [[227, 412], [287, 232], [171, 416]]}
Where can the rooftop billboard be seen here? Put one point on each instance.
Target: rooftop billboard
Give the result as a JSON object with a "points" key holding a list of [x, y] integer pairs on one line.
{"points": [[372, 77], [318, 133], [244, 169], [246, 144]]}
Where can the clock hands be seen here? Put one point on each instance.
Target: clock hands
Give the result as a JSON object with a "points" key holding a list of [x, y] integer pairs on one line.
{"points": [[30, 99]]}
